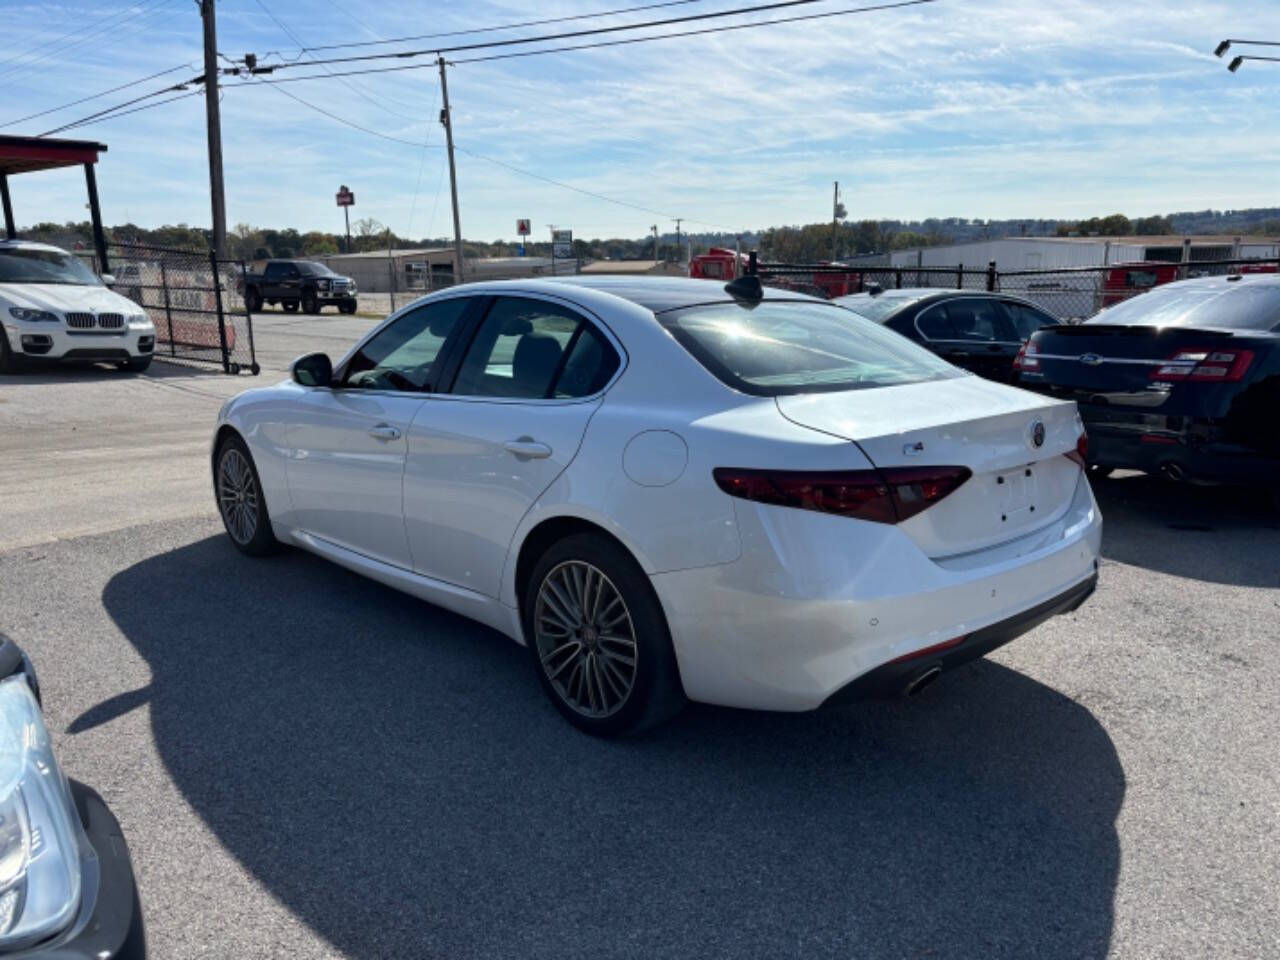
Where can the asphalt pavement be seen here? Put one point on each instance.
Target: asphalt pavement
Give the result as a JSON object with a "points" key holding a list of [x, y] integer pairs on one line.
{"points": [[308, 764]]}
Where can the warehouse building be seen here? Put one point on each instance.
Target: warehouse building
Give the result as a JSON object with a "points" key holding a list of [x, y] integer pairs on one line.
{"points": [[1053, 253]]}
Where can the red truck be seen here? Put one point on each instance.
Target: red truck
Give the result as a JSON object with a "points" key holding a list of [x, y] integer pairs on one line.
{"points": [[720, 263], [1125, 280]]}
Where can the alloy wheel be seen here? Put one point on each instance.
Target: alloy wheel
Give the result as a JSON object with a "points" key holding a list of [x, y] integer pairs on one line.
{"points": [[238, 496], [585, 638]]}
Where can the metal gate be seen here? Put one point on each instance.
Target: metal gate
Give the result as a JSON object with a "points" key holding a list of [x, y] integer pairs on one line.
{"points": [[194, 299]]}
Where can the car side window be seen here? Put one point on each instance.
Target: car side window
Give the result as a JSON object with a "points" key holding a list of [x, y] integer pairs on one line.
{"points": [[533, 349], [977, 320], [405, 355], [273, 271], [934, 324], [1027, 320]]}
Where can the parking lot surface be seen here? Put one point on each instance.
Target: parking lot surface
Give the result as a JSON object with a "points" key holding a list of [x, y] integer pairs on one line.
{"points": [[308, 764]]}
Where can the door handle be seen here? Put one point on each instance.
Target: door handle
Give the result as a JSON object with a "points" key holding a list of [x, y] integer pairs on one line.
{"points": [[527, 448], [384, 431]]}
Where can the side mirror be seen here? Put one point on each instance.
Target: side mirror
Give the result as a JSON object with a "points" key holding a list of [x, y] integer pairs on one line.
{"points": [[313, 370], [108, 278]]}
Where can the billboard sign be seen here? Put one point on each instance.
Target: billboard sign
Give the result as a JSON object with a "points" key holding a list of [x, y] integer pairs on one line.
{"points": [[345, 197], [522, 227]]}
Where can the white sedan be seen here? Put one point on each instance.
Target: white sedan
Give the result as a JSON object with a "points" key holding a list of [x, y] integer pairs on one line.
{"points": [[672, 489]]}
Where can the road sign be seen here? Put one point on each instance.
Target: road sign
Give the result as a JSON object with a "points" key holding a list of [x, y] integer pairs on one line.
{"points": [[562, 251], [345, 197], [522, 227], [562, 236]]}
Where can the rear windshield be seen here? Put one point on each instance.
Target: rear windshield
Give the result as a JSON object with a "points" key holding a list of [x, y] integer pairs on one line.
{"points": [[1242, 306], [879, 306], [786, 347]]}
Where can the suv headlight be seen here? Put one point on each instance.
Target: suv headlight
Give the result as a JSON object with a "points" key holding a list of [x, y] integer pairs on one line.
{"points": [[33, 316], [39, 827], [322, 284]]}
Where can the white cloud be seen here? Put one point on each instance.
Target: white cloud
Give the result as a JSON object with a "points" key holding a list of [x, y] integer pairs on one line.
{"points": [[958, 108]]}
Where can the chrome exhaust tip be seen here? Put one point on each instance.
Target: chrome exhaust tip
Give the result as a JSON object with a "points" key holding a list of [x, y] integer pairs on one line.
{"points": [[921, 680]]}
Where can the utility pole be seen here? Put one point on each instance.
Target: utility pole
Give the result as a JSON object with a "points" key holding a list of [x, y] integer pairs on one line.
{"points": [[678, 219], [215, 127], [447, 119], [837, 211], [654, 228]]}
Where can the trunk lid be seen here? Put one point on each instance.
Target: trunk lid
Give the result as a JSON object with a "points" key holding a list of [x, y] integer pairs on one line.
{"points": [[1016, 486], [1105, 365]]}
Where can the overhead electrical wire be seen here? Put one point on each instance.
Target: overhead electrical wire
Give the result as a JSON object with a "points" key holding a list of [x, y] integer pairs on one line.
{"points": [[545, 38], [95, 26], [111, 115], [95, 96], [722, 28], [118, 106], [352, 86], [505, 26], [19, 68]]}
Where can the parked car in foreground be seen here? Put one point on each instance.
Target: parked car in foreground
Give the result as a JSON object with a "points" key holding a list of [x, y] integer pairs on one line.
{"points": [[54, 309], [67, 890], [1182, 381], [978, 331], [674, 488], [298, 284]]}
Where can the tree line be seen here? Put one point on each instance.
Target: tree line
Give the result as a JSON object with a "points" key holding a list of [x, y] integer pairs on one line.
{"points": [[806, 243]]}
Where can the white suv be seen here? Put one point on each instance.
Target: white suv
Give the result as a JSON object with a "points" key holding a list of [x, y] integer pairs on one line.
{"points": [[53, 308]]}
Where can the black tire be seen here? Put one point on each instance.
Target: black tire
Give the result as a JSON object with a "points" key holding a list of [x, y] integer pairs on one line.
{"points": [[245, 518], [8, 362], [654, 694], [253, 300], [290, 306], [136, 364], [347, 306], [310, 302]]}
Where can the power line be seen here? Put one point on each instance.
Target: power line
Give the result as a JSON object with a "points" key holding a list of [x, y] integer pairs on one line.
{"points": [[351, 123], [127, 103], [350, 86], [76, 44], [95, 96], [97, 118], [668, 21], [506, 26], [609, 43], [101, 21], [693, 33]]}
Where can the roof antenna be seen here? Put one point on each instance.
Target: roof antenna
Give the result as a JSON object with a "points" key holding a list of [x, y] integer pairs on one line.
{"points": [[745, 287]]}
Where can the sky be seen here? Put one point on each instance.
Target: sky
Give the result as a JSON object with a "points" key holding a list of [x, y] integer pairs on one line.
{"points": [[956, 108]]}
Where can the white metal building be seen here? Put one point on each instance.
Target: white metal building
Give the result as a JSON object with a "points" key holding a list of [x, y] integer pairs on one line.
{"points": [[1051, 253]]}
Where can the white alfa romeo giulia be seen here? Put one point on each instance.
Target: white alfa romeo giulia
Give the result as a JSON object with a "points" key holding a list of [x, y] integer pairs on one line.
{"points": [[674, 489]]}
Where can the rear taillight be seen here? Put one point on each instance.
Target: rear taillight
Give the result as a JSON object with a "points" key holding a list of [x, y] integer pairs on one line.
{"points": [[1081, 453], [1204, 365], [883, 496], [1026, 358]]}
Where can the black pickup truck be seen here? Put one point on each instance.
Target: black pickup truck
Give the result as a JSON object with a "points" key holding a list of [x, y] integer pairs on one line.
{"points": [[299, 283]]}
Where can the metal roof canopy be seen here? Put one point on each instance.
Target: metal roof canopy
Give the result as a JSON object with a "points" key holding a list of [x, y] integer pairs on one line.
{"points": [[30, 154]]}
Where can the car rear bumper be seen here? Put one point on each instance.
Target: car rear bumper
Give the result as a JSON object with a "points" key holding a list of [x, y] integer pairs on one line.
{"points": [[1194, 449], [894, 678], [109, 925], [816, 602]]}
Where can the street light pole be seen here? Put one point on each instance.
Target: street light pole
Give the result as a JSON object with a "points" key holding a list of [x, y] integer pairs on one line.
{"points": [[1237, 62]]}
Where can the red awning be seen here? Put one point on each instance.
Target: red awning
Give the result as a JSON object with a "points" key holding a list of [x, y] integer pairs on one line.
{"points": [[25, 154]]}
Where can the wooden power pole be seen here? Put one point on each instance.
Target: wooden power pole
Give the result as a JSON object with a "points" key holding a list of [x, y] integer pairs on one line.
{"points": [[215, 127], [447, 119]]}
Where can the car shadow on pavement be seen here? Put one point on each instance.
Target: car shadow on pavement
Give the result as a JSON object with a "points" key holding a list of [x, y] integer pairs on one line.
{"points": [[393, 774], [1226, 535], [162, 369]]}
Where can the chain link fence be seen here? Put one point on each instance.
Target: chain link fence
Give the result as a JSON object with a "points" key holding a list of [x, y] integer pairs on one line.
{"points": [[195, 300], [1072, 294]]}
